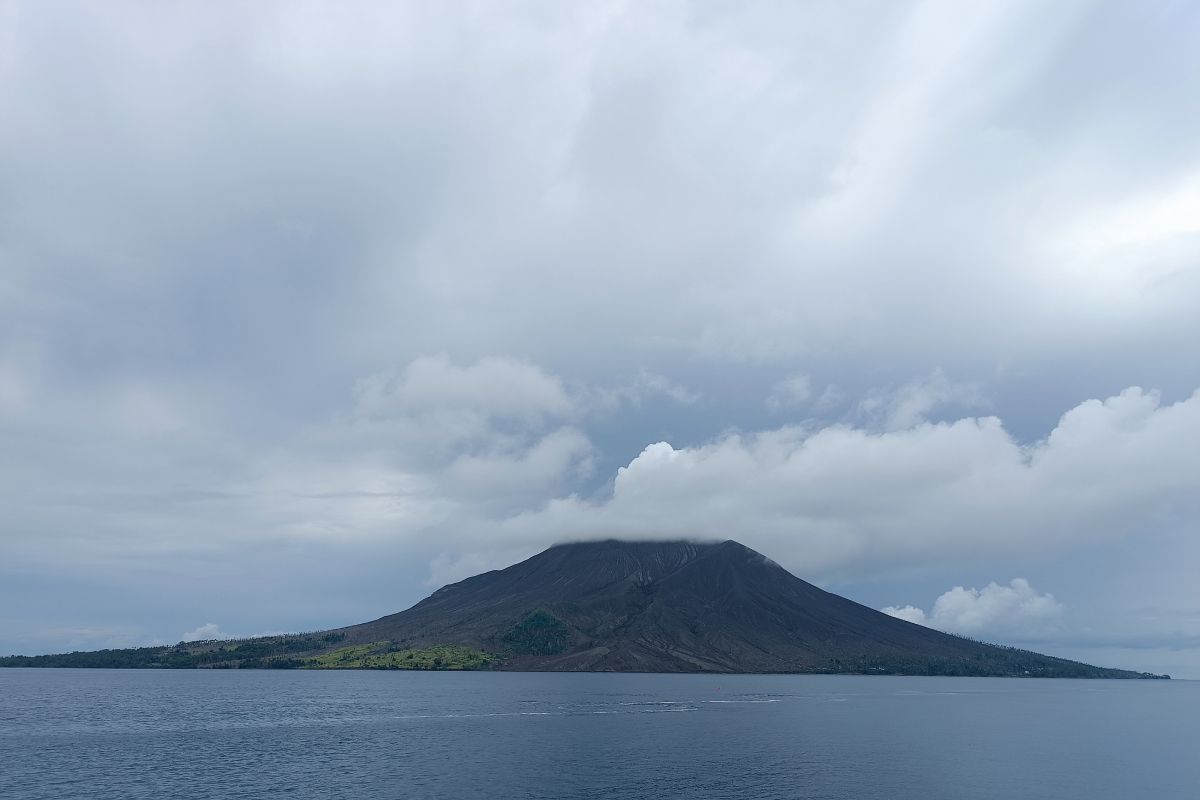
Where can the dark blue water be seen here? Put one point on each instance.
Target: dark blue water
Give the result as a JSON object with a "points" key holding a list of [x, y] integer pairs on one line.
{"points": [[199, 734]]}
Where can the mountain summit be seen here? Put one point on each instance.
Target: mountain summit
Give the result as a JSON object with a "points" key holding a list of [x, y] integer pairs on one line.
{"points": [[616, 606]]}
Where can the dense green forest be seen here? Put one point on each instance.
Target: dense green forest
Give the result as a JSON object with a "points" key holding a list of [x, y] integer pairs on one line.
{"points": [[997, 661], [272, 652], [540, 633], [276, 652], [384, 655]]}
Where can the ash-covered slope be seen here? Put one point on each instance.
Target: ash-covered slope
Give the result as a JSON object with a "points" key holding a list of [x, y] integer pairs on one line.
{"points": [[680, 607]]}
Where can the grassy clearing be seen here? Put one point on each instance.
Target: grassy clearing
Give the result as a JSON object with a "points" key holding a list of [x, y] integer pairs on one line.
{"points": [[382, 655]]}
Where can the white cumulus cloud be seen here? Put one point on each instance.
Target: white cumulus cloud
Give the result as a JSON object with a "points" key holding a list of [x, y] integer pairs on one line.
{"points": [[843, 497], [1015, 608]]}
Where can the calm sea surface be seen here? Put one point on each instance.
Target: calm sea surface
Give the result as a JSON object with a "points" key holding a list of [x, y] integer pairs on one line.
{"points": [[195, 734]]}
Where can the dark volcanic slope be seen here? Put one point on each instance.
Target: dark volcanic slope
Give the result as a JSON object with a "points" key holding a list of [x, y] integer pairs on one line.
{"points": [[682, 606]]}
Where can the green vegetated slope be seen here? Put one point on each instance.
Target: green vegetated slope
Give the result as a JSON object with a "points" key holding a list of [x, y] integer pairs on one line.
{"points": [[539, 633], [384, 655], [283, 652]]}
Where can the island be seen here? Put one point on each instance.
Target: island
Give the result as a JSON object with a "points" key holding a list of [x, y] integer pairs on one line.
{"points": [[619, 606]]}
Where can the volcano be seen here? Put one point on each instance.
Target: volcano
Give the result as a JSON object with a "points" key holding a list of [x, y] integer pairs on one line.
{"points": [[680, 606], [618, 606]]}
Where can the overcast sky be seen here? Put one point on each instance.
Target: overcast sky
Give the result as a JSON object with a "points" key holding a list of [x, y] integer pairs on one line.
{"points": [[308, 309]]}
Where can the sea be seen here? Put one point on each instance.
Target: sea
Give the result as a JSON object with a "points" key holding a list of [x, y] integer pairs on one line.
{"points": [[133, 734]]}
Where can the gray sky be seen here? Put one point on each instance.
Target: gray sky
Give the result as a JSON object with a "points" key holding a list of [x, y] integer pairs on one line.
{"points": [[306, 310]]}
